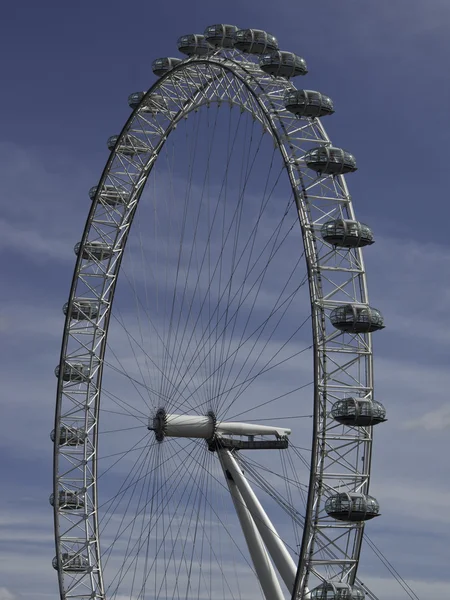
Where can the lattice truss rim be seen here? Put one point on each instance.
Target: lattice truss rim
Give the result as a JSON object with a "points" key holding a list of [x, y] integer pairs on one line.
{"points": [[343, 361]]}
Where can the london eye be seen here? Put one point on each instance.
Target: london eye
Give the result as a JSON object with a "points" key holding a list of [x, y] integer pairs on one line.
{"points": [[215, 400]]}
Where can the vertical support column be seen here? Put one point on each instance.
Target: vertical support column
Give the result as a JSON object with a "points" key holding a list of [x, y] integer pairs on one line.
{"points": [[261, 561], [277, 550]]}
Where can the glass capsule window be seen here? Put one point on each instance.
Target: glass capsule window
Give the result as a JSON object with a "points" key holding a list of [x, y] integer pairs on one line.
{"points": [[356, 318], [82, 309], [160, 66], [337, 591], [67, 500], [358, 407], [330, 160], [134, 99], [96, 250], [308, 103], [112, 141], [221, 35], [70, 436], [346, 233], [71, 562], [352, 507], [75, 372], [255, 41], [283, 64]]}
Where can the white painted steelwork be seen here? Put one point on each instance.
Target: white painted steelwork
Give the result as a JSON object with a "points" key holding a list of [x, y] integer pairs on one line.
{"points": [[340, 458], [261, 560], [277, 550], [205, 427]]}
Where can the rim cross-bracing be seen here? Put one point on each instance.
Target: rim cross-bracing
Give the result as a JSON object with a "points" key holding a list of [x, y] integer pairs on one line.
{"points": [[205, 443]]}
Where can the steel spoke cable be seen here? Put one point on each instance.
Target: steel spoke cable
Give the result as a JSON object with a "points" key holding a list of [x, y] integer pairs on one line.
{"points": [[135, 358], [134, 521], [225, 311], [150, 358], [262, 273], [123, 372], [128, 408], [224, 488], [123, 453], [191, 254], [150, 527], [238, 220], [133, 477], [264, 202], [244, 177], [188, 566], [288, 301], [120, 430], [145, 463], [289, 496], [143, 271], [123, 414], [286, 418], [267, 367], [141, 347], [230, 356], [122, 491], [409, 591], [181, 241], [254, 464], [289, 508], [110, 349], [149, 503], [199, 349], [215, 268], [221, 371]]}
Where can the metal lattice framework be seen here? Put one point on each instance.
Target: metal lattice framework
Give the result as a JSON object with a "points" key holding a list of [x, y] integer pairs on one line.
{"points": [[340, 457]]}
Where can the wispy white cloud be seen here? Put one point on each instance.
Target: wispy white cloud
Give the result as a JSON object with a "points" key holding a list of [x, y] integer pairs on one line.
{"points": [[5, 594]]}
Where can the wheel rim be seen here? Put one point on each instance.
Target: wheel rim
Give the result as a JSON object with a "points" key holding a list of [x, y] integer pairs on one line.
{"points": [[334, 275]]}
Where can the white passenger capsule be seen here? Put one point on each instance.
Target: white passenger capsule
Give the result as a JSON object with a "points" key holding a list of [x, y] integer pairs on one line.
{"points": [[69, 436], [358, 412], [161, 66], [109, 194], [82, 309], [72, 563], [346, 233], [255, 41], [336, 590], [128, 145], [194, 44], [94, 250], [74, 372], [308, 103], [67, 500], [352, 506], [221, 35], [283, 64], [330, 160], [356, 318]]}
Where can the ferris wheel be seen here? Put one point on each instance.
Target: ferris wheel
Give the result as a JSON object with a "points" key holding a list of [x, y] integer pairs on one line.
{"points": [[215, 407]]}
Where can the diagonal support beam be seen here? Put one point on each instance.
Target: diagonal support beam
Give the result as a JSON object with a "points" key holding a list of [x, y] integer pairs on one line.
{"points": [[276, 548], [261, 560]]}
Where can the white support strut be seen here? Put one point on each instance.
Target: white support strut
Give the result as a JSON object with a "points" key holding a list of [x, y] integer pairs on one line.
{"points": [[277, 550], [261, 560]]}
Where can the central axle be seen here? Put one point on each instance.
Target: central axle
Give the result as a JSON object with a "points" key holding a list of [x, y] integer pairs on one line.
{"points": [[207, 427]]}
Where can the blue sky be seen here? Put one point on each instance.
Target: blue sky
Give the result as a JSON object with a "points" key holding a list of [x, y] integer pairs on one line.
{"points": [[66, 75]]}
